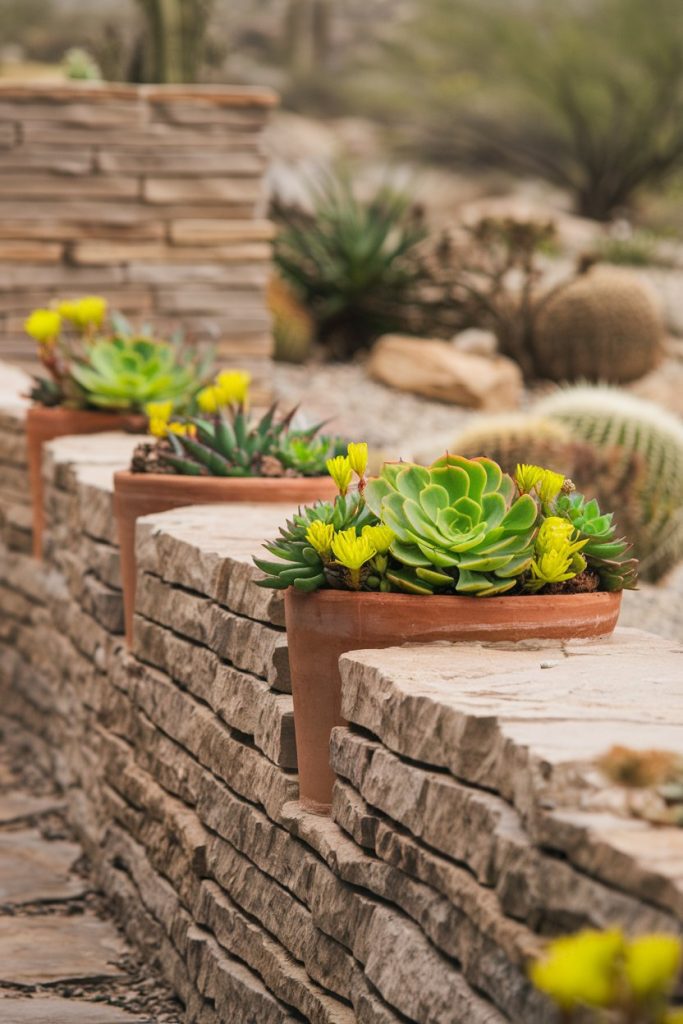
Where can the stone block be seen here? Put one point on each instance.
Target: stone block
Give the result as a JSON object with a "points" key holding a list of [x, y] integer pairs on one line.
{"points": [[233, 191], [172, 162], [209, 231], [46, 186]]}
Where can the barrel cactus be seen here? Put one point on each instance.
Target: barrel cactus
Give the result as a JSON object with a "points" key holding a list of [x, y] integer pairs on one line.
{"points": [[644, 445], [604, 326], [457, 518], [519, 437]]}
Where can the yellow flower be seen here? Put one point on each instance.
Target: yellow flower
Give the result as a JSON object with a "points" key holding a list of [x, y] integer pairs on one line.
{"points": [[546, 483], [350, 550], [527, 477], [43, 325], [652, 965], [381, 537], [358, 457], [339, 469], [674, 1017], [182, 428], [233, 386], [89, 311], [549, 485], [209, 399], [580, 970], [159, 410], [157, 426], [319, 536]]}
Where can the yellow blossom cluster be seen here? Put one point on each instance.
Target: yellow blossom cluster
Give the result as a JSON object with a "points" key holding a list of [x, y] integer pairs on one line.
{"points": [[606, 971], [45, 325], [230, 387], [342, 467]]}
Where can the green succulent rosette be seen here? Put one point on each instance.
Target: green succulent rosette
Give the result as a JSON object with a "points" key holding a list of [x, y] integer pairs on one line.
{"points": [[458, 524]]}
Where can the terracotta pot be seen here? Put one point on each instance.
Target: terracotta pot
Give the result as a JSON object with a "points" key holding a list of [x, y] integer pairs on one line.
{"points": [[324, 625], [44, 424], [142, 494]]}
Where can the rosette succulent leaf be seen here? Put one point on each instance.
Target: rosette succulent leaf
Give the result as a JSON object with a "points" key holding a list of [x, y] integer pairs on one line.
{"points": [[457, 523], [604, 552], [127, 373]]}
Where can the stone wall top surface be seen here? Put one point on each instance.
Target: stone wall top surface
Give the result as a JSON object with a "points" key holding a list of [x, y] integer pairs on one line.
{"points": [[59, 92]]}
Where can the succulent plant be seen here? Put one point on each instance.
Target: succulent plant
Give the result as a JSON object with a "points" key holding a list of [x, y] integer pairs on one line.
{"points": [[354, 263], [293, 326], [643, 445], [514, 438], [127, 373], [118, 370], [228, 443], [461, 526], [604, 326], [457, 524], [304, 547]]}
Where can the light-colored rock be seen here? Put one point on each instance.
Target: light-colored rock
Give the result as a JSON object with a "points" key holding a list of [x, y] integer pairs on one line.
{"points": [[46, 949], [437, 369], [476, 341]]}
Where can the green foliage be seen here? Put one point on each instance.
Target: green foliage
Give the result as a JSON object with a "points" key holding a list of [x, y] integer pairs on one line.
{"points": [[588, 95], [81, 65], [128, 372], [230, 445], [644, 445], [300, 564], [175, 38], [353, 263], [460, 526], [458, 515]]}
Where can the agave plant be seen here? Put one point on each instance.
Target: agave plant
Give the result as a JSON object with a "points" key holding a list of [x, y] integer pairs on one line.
{"points": [[353, 263], [458, 523], [128, 373], [228, 443]]}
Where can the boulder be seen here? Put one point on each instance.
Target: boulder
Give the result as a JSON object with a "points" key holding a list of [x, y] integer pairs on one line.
{"points": [[477, 341], [438, 370]]}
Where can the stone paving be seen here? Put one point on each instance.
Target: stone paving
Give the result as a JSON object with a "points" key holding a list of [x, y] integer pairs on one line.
{"points": [[62, 961]]}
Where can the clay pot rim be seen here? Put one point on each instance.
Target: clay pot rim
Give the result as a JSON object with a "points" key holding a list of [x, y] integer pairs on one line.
{"points": [[126, 479], [36, 408], [530, 600]]}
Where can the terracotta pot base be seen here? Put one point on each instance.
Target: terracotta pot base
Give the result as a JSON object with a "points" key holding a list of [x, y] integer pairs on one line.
{"points": [[143, 494], [323, 626], [44, 424]]}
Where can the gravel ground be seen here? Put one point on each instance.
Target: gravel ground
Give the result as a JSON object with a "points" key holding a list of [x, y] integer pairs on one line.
{"points": [[394, 424]]}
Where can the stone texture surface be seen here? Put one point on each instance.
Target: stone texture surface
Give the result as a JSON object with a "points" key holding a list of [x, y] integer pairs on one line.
{"points": [[40, 950], [468, 820], [95, 185], [47, 1010], [438, 369]]}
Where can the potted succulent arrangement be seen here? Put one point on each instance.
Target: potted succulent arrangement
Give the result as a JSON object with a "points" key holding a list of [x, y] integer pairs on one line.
{"points": [[99, 377], [455, 551], [220, 454]]}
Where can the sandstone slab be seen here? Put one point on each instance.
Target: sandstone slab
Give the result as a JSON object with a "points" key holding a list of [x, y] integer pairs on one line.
{"points": [[33, 870], [44, 950], [437, 369], [47, 1010]]}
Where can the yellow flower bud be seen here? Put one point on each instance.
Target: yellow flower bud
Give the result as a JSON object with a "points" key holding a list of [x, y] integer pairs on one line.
{"points": [[527, 477], [209, 399], [381, 537], [89, 311], [549, 485], [339, 469], [319, 536], [233, 386], [350, 550], [358, 457], [43, 325], [159, 410], [158, 427]]}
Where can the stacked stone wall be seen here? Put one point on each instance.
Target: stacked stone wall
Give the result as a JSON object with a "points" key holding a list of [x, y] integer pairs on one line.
{"points": [[151, 196], [467, 823]]}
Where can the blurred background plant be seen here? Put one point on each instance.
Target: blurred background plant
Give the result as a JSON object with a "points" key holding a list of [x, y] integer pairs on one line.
{"points": [[604, 975]]}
